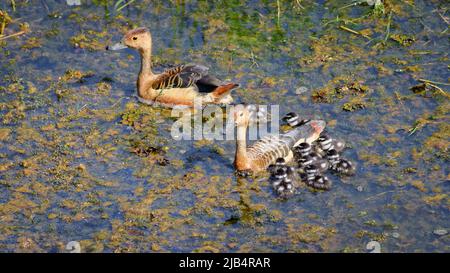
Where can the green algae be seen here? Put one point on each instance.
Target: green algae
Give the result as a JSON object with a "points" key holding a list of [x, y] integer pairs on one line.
{"points": [[402, 39], [341, 87], [32, 43], [4, 134], [90, 39], [72, 75], [354, 104], [307, 233]]}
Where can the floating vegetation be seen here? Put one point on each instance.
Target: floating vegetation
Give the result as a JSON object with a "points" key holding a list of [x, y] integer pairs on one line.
{"points": [[31, 43], [90, 39], [5, 20], [341, 87], [402, 39], [354, 104]]}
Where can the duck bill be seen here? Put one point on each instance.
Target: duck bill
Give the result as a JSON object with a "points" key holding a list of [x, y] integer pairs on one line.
{"points": [[117, 46]]}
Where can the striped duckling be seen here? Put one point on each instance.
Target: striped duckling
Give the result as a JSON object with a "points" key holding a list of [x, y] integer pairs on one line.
{"points": [[294, 120], [266, 150], [178, 86], [305, 156], [326, 143], [283, 178]]}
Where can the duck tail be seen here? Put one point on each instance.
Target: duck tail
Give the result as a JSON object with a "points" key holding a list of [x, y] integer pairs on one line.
{"points": [[223, 90]]}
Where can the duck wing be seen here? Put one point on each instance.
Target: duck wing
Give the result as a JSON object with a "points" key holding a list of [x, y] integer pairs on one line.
{"points": [[266, 150], [184, 76], [308, 132]]}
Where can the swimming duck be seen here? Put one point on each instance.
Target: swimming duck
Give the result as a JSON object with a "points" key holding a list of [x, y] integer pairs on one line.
{"points": [[176, 86], [266, 150]]}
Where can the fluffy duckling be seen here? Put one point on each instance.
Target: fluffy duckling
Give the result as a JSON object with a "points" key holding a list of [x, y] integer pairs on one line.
{"points": [[326, 143], [282, 178], [294, 120]]}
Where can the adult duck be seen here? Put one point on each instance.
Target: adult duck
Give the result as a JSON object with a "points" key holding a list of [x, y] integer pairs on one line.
{"points": [[268, 149], [178, 86]]}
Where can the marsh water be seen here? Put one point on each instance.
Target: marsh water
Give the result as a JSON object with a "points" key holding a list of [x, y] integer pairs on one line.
{"points": [[82, 160]]}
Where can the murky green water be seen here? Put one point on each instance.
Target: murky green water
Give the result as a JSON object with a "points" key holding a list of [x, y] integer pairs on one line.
{"points": [[81, 159]]}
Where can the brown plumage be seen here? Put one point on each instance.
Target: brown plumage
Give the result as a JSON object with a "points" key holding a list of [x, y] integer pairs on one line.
{"points": [[176, 86], [266, 150]]}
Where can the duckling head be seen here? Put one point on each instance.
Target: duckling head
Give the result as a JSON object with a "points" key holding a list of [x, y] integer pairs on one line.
{"points": [[138, 38]]}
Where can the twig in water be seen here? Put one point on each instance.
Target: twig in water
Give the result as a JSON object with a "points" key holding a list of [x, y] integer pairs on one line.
{"points": [[13, 5], [439, 89], [428, 81], [82, 107], [388, 27], [443, 18], [278, 13], [123, 6], [354, 32], [45, 6], [419, 124], [299, 5], [12, 35], [253, 59], [434, 85], [351, 5], [378, 195], [119, 100]]}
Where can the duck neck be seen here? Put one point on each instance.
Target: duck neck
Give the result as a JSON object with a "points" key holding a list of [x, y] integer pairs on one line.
{"points": [[241, 148], [146, 62], [146, 74]]}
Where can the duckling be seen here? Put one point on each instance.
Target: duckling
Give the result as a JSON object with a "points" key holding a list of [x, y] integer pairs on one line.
{"points": [[322, 165], [305, 161], [282, 181], [345, 167], [302, 149], [266, 150], [311, 172], [178, 86], [279, 163], [286, 188], [326, 143], [280, 174], [294, 120], [333, 158], [321, 183]]}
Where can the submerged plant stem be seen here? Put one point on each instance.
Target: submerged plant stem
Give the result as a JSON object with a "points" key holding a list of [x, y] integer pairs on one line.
{"points": [[12, 35], [388, 27], [354, 31], [428, 81]]}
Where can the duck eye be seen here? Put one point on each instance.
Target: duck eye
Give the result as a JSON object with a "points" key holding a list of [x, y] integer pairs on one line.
{"points": [[135, 38]]}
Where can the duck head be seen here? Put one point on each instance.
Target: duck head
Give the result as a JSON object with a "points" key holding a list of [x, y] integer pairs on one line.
{"points": [[241, 115], [138, 38]]}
